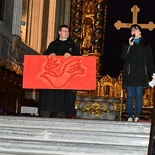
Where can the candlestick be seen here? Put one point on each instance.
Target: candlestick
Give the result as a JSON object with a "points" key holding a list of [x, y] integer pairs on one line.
{"points": [[17, 105], [121, 92]]}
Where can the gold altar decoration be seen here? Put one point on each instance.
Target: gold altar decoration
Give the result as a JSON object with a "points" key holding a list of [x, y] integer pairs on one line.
{"points": [[88, 24], [15, 41], [12, 67], [135, 9], [96, 109], [88, 21], [97, 61], [109, 87]]}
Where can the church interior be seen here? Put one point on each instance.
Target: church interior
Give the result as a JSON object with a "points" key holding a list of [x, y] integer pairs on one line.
{"points": [[88, 22], [98, 27]]}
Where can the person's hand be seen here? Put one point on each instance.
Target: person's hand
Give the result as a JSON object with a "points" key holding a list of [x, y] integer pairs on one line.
{"points": [[66, 55], [53, 54], [131, 41]]}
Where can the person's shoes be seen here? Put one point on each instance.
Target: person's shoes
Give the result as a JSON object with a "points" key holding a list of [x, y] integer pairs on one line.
{"points": [[130, 119], [53, 116], [70, 116], [44, 114], [136, 119]]}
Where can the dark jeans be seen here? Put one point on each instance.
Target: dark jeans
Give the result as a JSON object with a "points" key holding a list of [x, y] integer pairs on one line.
{"points": [[137, 92]]}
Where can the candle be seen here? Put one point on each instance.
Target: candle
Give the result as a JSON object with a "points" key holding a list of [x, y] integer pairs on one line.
{"points": [[121, 92], [34, 94], [17, 105]]}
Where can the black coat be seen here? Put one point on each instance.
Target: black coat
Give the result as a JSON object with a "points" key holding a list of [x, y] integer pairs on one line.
{"points": [[61, 47], [52, 100], [138, 64]]}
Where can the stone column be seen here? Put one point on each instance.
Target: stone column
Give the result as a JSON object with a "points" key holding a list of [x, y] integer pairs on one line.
{"points": [[63, 9], [67, 12], [17, 12], [36, 24], [51, 21]]}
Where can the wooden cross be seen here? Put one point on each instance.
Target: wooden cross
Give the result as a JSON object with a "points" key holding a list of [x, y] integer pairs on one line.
{"points": [[135, 9]]}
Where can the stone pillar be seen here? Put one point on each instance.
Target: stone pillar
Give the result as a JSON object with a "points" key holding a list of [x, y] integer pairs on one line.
{"points": [[51, 21], [67, 12], [63, 9], [36, 24], [17, 12]]}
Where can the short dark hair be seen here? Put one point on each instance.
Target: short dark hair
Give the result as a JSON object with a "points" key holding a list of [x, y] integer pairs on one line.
{"points": [[135, 26], [61, 26]]}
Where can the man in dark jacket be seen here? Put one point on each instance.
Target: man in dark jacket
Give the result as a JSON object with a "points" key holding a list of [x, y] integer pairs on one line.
{"points": [[138, 68], [53, 101]]}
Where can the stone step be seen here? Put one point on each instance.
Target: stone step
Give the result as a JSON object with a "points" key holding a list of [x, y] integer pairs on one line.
{"points": [[61, 135], [41, 136], [54, 148], [75, 124]]}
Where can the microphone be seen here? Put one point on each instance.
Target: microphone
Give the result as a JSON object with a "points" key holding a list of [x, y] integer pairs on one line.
{"points": [[133, 37]]}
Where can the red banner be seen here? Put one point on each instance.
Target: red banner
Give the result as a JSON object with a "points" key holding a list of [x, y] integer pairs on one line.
{"points": [[47, 72]]}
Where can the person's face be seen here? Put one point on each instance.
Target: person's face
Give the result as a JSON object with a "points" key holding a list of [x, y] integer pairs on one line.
{"points": [[64, 33], [136, 32]]}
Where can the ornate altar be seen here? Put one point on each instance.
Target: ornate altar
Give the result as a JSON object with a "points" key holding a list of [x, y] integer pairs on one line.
{"points": [[106, 102], [109, 97], [88, 21]]}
